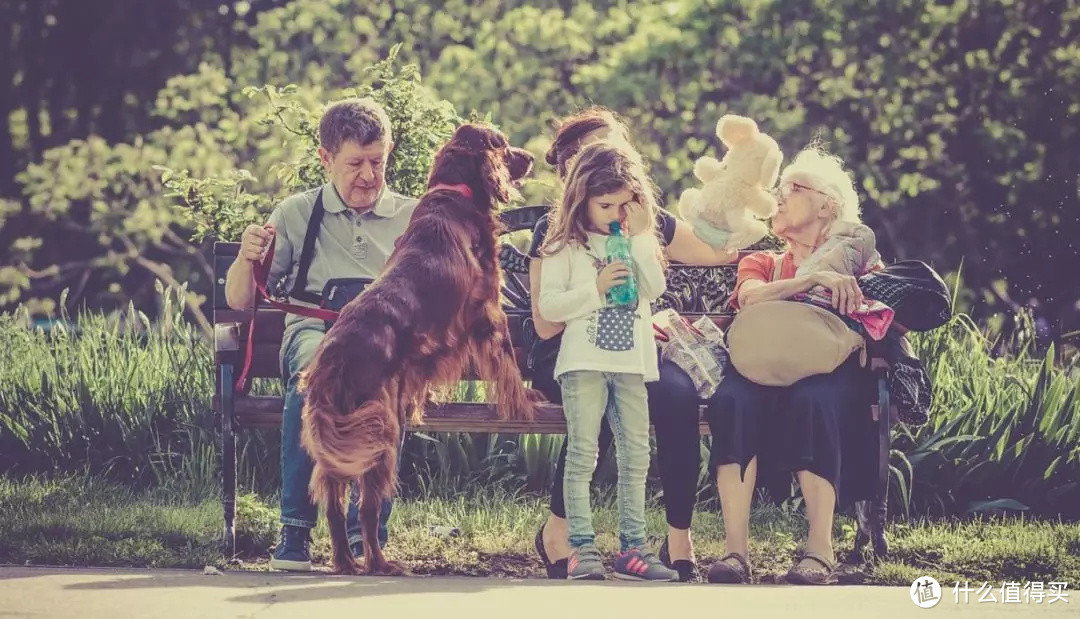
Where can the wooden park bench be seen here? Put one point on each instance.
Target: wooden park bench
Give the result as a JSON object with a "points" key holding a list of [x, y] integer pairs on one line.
{"points": [[692, 292]]}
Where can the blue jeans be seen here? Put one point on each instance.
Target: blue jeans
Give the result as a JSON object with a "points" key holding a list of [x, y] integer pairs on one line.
{"points": [[585, 400], [297, 508]]}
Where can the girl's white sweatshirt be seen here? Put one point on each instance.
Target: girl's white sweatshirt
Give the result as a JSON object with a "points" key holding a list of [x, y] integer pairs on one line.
{"points": [[599, 337]]}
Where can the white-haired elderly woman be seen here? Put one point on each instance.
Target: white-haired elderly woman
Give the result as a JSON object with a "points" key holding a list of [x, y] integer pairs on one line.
{"points": [[807, 428]]}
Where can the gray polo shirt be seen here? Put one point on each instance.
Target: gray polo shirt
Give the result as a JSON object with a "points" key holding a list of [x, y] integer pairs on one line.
{"points": [[348, 245]]}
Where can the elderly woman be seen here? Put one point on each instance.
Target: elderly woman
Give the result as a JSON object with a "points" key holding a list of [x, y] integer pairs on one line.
{"points": [[812, 426]]}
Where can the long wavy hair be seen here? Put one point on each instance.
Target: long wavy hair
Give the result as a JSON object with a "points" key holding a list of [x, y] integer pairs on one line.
{"points": [[599, 168]]}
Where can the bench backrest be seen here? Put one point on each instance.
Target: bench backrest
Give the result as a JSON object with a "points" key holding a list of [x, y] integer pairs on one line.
{"points": [[691, 291]]}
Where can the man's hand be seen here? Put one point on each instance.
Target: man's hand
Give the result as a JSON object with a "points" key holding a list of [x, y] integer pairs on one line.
{"points": [[846, 294], [254, 241], [637, 219], [612, 275]]}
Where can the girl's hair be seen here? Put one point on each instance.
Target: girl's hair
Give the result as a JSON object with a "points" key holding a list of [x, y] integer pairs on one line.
{"points": [[573, 129], [600, 168]]}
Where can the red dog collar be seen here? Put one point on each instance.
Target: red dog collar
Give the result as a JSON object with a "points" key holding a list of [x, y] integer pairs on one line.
{"points": [[462, 189]]}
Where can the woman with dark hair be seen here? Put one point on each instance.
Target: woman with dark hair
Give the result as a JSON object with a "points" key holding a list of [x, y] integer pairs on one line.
{"points": [[673, 399]]}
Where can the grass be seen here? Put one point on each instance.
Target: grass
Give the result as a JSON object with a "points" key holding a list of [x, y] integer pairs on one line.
{"points": [[87, 522], [130, 401]]}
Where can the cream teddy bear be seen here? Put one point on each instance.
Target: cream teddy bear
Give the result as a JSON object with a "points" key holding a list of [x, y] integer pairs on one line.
{"points": [[736, 189]]}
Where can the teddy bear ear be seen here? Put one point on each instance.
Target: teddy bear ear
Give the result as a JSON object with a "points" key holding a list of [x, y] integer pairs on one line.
{"points": [[732, 129]]}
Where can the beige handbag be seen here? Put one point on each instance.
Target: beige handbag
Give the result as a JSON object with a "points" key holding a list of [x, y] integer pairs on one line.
{"points": [[776, 343]]}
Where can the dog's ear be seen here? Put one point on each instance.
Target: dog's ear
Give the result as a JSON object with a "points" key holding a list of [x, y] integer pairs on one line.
{"points": [[496, 176], [520, 162]]}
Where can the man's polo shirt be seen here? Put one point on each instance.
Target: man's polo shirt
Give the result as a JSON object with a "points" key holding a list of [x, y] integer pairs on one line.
{"points": [[349, 244]]}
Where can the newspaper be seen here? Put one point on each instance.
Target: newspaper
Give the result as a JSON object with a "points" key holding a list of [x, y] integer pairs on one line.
{"points": [[698, 349]]}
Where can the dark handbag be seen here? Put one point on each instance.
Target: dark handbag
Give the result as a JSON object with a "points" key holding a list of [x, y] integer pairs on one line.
{"points": [[337, 293], [544, 353], [913, 290]]}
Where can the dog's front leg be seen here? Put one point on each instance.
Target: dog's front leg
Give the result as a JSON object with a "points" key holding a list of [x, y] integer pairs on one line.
{"points": [[495, 362]]}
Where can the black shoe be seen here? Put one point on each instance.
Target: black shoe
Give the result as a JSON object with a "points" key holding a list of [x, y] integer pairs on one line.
{"points": [[687, 570], [556, 570]]}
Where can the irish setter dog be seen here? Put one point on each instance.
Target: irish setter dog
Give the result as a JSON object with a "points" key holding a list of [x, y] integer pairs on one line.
{"points": [[432, 314]]}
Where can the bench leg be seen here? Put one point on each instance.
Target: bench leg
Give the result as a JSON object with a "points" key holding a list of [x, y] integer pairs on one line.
{"points": [[228, 461], [871, 514], [879, 509]]}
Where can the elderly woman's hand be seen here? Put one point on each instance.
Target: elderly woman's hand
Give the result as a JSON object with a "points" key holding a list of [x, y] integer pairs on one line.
{"points": [[846, 294]]}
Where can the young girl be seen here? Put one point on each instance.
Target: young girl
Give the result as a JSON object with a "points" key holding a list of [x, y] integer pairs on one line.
{"points": [[607, 350]]}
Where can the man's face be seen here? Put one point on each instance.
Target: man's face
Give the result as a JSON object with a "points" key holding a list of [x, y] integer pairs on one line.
{"points": [[358, 172]]}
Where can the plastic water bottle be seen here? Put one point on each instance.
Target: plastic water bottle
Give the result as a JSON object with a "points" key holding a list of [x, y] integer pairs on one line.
{"points": [[618, 248]]}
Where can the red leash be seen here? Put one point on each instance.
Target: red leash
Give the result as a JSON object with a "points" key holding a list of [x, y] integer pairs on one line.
{"points": [[262, 273]]}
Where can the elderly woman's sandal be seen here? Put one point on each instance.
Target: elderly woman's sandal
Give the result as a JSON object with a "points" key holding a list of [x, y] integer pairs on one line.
{"points": [[726, 573], [805, 575]]}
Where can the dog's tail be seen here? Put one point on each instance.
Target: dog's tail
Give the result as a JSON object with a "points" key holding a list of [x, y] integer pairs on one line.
{"points": [[346, 446]]}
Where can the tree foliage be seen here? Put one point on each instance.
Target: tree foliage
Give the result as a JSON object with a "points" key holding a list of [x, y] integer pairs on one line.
{"points": [[957, 120]]}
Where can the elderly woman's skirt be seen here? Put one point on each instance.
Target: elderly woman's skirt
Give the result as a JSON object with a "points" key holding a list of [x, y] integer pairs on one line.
{"points": [[820, 424]]}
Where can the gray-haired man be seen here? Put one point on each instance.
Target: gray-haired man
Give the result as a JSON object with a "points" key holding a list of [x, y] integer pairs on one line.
{"points": [[346, 228]]}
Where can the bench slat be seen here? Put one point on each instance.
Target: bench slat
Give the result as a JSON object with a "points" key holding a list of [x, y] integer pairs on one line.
{"points": [[266, 412]]}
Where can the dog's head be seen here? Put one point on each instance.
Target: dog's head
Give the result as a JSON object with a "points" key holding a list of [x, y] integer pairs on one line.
{"points": [[481, 157]]}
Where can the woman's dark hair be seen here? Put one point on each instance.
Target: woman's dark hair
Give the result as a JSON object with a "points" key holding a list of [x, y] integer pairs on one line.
{"points": [[572, 129]]}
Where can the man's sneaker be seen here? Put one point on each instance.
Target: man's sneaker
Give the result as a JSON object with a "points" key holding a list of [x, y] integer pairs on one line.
{"points": [[585, 564], [293, 552], [636, 565]]}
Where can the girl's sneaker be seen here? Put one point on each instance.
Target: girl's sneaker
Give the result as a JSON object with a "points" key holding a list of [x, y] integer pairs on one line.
{"points": [[636, 565], [585, 564]]}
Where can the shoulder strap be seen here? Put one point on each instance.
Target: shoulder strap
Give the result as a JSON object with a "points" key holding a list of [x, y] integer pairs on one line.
{"points": [[299, 289], [778, 266]]}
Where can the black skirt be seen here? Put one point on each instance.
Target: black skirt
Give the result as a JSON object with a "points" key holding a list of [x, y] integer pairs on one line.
{"points": [[822, 424]]}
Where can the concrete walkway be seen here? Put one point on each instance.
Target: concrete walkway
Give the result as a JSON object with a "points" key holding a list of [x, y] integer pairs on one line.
{"points": [[113, 594]]}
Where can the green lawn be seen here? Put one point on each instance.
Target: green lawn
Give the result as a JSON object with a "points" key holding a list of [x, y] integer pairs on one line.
{"points": [[81, 521]]}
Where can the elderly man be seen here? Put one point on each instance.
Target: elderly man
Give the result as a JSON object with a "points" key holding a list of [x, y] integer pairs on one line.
{"points": [[346, 228]]}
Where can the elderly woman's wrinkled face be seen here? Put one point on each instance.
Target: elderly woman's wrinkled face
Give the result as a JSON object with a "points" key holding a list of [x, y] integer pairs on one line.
{"points": [[798, 207]]}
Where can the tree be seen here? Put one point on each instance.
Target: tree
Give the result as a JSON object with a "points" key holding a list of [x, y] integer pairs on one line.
{"points": [[953, 117]]}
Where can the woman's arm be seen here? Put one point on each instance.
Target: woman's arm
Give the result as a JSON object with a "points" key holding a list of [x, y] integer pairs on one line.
{"points": [[687, 248], [844, 289], [558, 301], [545, 329], [645, 251], [756, 291]]}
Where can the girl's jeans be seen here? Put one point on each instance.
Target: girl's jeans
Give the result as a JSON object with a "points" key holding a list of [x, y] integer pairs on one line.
{"points": [[585, 399]]}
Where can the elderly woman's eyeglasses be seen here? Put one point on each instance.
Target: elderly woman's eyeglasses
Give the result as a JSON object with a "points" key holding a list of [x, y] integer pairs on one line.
{"points": [[782, 192]]}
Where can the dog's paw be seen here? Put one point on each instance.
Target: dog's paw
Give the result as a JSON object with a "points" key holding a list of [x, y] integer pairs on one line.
{"points": [[388, 568], [349, 568], [535, 396]]}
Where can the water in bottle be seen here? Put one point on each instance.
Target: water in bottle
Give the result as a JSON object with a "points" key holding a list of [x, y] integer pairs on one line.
{"points": [[618, 248]]}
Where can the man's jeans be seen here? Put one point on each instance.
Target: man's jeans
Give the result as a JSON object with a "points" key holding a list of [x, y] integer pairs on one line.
{"points": [[297, 508], [585, 399]]}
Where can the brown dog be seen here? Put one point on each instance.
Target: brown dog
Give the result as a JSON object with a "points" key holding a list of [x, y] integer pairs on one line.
{"points": [[433, 314]]}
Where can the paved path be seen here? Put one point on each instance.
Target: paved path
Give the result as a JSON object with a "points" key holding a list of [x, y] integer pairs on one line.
{"points": [[115, 594]]}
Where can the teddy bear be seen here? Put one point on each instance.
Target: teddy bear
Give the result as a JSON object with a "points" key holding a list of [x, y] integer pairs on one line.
{"points": [[726, 211]]}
